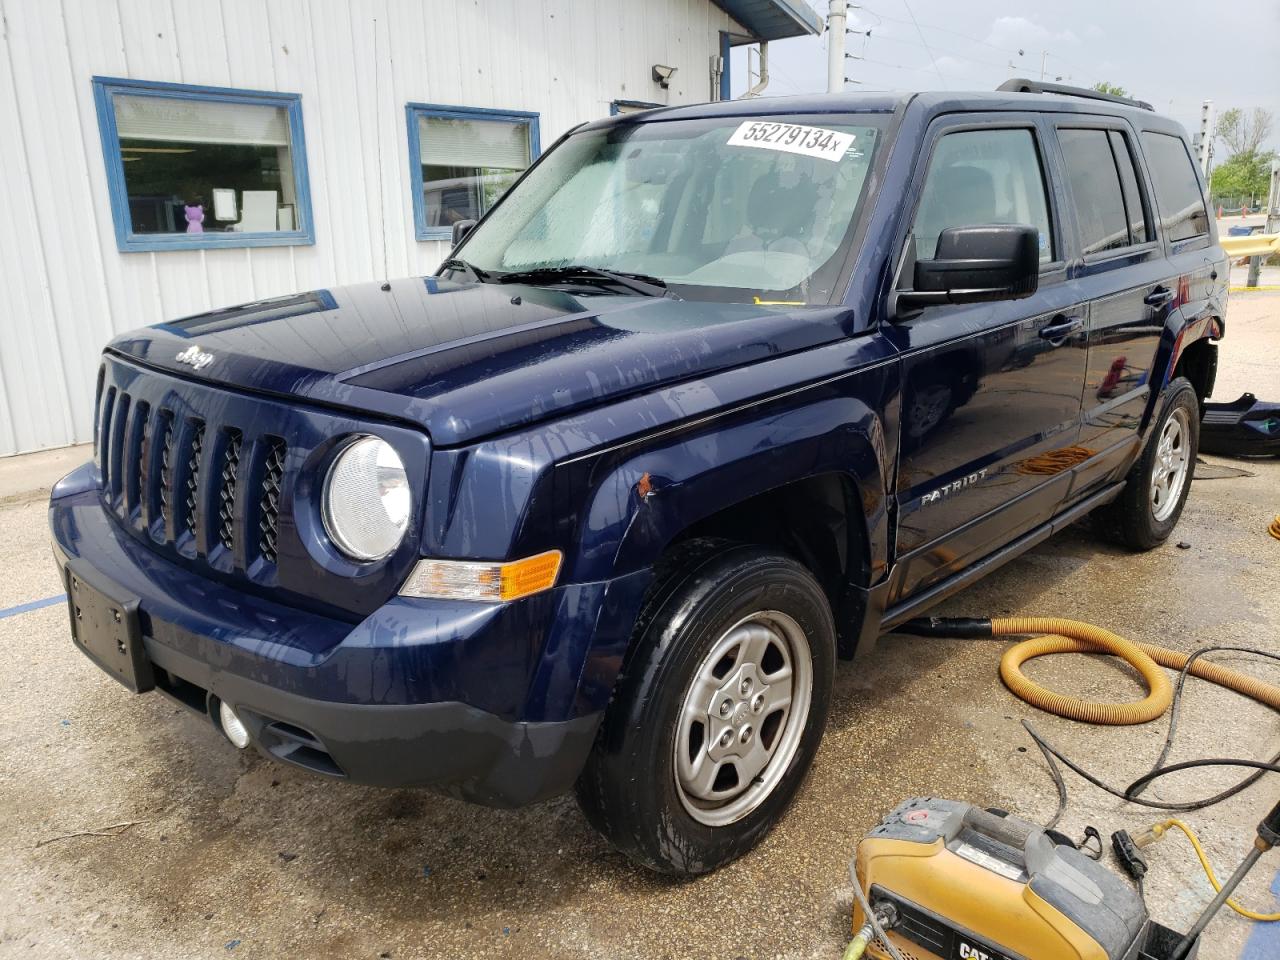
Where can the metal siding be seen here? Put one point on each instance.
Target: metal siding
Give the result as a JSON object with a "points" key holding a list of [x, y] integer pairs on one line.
{"points": [[67, 289]]}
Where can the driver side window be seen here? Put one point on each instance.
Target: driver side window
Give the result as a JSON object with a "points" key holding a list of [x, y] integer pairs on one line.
{"points": [[979, 177]]}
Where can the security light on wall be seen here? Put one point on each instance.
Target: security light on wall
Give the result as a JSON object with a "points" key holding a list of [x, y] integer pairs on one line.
{"points": [[662, 75]]}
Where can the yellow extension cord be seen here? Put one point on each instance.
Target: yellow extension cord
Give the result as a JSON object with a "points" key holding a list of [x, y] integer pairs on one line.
{"points": [[1274, 529], [1158, 830], [1073, 636]]}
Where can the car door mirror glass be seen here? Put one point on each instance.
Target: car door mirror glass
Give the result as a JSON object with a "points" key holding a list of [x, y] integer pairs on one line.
{"points": [[977, 264]]}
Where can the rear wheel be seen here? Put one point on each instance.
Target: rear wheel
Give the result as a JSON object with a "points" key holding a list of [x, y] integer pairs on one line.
{"points": [[718, 713], [1148, 508]]}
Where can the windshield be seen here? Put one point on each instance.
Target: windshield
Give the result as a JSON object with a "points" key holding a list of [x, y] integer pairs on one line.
{"points": [[757, 210]]}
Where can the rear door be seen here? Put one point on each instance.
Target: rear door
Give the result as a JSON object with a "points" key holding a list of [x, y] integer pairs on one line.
{"points": [[1122, 271], [991, 393]]}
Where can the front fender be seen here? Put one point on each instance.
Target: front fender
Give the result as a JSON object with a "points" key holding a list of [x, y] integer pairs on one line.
{"points": [[637, 498], [656, 490]]}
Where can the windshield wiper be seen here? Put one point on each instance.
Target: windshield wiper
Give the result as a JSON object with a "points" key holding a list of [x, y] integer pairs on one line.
{"points": [[454, 263], [636, 282]]}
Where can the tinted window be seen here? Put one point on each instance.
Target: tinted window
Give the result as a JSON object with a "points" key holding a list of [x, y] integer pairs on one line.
{"points": [[978, 177], [1182, 212], [1138, 232], [1095, 190]]}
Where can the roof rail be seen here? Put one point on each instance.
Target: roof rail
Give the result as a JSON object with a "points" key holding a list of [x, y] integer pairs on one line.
{"points": [[1021, 85]]}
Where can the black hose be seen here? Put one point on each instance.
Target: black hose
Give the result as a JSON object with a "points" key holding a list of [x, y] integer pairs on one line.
{"points": [[959, 628], [1158, 770]]}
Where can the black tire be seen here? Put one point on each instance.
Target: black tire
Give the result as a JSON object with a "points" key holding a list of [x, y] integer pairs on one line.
{"points": [[629, 789], [1131, 519]]}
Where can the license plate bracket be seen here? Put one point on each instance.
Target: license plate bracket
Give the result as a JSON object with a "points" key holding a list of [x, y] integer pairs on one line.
{"points": [[105, 626]]}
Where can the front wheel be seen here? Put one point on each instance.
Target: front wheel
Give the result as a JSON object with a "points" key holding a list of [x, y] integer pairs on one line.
{"points": [[1148, 508], [718, 713]]}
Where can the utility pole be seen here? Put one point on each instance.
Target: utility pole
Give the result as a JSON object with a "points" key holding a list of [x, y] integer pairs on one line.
{"points": [[1206, 136], [1272, 224], [836, 20], [1044, 55]]}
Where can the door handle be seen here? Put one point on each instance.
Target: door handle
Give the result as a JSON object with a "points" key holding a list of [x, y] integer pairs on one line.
{"points": [[1061, 328], [1158, 297]]}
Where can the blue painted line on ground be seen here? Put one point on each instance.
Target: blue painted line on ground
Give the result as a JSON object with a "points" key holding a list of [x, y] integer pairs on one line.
{"points": [[33, 605], [1264, 941]]}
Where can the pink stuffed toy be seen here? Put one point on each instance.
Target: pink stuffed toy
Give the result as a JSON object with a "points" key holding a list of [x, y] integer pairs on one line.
{"points": [[195, 218]]}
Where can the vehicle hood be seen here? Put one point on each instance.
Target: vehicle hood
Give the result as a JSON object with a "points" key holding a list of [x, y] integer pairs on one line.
{"points": [[465, 360]]}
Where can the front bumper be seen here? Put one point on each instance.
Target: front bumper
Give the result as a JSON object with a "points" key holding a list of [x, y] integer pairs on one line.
{"points": [[480, 701]]}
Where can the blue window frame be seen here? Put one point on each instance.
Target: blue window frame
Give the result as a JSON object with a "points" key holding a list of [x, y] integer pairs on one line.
{"points": [[461, 159], [185, 178]]}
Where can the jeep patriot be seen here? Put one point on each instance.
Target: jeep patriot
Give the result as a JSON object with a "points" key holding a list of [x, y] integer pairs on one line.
{"points": [[713, 396]]}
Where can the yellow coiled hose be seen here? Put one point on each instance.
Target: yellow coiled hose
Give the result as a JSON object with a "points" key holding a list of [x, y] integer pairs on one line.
{"points": [[1073, 636]]}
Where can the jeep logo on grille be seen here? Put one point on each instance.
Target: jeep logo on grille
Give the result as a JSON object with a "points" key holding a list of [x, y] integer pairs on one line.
{"points": [[195, 357]]}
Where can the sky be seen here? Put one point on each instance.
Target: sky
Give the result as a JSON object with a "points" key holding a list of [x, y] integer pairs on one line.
{"points": [[1173, 53]]}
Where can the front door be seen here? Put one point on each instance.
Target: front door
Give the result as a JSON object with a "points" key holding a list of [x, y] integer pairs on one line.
{"points": [[991, 391]]}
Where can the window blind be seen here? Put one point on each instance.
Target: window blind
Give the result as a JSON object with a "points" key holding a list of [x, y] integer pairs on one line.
{"points": [[452, 142], [200, 121]]}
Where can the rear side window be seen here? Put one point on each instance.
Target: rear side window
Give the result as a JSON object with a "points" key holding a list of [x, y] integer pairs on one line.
{"points": [[1138, 230], [979, 177], [1178, 195], [1095, 190]]}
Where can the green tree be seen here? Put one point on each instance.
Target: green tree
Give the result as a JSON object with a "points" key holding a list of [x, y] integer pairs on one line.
{"points": [[1102, 86], [1243, 132], [1243, 175]]}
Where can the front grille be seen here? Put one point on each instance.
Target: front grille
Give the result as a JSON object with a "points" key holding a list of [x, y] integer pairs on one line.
{"points": [[269, 505], [140, 454], [165, 493], [193, 477], [220, 482], [153, 461], [104, 437], [227, 490]]}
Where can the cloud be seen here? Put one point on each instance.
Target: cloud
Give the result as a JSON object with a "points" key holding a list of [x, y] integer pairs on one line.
{"points": [[1026, 34]]}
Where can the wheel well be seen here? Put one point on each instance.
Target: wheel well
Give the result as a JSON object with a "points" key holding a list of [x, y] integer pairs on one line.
{"points": [[818, 522], [1199, 364]]}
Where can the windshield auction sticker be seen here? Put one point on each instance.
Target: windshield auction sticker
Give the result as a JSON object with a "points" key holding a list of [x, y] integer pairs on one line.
{"points": [[792, 138]]}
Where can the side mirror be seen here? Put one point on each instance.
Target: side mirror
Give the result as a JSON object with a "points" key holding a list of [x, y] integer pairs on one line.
{"points": [[461, 229], [977, 265]]}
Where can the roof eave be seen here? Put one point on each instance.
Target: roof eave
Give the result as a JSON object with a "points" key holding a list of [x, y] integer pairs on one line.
{"points": [[774, 19]]}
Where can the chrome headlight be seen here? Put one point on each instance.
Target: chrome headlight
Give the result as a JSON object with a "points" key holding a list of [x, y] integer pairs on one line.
{"points": [[366, 500]]}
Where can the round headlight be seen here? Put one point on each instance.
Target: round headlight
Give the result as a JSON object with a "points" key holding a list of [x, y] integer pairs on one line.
{"points": [[366, 500]]}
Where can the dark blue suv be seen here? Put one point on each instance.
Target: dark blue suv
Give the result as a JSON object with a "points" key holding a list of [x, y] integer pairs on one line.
{"points": [[713, 396]]}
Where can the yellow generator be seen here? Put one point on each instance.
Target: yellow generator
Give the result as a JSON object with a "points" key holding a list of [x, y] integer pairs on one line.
{"points": [[950, 881]]}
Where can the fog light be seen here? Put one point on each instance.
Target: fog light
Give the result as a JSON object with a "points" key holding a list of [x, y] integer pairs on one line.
{"points": [[232, 726]]}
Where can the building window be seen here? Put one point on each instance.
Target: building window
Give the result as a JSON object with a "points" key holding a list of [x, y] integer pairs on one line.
{"points": [[200, 167], [462, 159]]}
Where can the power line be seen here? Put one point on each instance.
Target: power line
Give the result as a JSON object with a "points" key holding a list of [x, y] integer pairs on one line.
{"points": [[920, 33], [950, 53], [914, 22], [931, 26]]}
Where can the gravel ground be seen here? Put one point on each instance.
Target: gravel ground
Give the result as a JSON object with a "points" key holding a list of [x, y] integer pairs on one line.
{"points": [[224, 854]]}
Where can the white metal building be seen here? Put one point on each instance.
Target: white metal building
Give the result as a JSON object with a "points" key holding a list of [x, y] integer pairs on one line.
{"points": [[159, 158]]}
